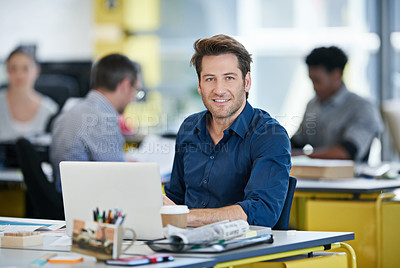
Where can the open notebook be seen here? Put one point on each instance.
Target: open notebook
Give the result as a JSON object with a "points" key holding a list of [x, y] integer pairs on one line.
{"points": [[29, 225]]}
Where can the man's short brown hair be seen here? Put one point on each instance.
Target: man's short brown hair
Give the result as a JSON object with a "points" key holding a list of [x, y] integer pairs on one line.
{"points": [[218, 45]]}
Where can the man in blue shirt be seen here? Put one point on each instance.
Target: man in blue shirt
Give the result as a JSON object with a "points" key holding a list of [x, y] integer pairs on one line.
{"points": [[232, 161]]}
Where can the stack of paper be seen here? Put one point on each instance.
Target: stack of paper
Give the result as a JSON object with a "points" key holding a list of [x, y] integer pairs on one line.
{"points": [[304, 167]]}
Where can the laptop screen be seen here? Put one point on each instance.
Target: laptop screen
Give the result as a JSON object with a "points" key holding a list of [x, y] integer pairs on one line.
{"points": [[135, 188]]}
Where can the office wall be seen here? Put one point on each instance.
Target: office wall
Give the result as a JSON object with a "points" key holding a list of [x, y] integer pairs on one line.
{"points": [[62, 29]]}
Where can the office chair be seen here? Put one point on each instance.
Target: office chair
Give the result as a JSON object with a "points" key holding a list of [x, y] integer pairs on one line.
{"points": [[58, 87], [391, 115], [42, 200], [283, 222]]}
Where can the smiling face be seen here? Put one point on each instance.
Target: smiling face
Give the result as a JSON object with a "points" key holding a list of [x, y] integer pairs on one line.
{"points": [[22, 71], [221, 86]]}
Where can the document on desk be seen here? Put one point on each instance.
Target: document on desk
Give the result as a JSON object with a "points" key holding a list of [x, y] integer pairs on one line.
{"points": [[29, 225], [217, 237]]}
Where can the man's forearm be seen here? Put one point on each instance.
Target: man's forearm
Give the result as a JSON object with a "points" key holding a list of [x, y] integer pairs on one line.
{"points": [[200, 217]]}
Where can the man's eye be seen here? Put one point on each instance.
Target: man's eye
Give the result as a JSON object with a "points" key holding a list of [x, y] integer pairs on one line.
{"points": [[209, 79], [230, 78]]}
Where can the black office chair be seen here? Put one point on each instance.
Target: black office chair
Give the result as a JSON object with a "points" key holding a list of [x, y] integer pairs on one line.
{"points": [[42, 199], [283, 222], [58, 87]]}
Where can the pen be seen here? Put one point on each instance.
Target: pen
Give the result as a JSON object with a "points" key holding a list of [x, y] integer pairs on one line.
{"points": [[42, 260], [120, 220], [94, 215], [109, 217], [123, 218]]}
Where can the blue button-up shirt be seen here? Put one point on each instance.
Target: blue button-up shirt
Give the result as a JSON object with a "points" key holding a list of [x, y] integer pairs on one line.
{"points": [[249, 166]]}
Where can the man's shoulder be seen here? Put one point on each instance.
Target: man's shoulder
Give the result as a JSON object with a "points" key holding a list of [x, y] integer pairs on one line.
{"points": [[263, 122], [355, 98], [75, 114], [262, 117], [193, 119]]}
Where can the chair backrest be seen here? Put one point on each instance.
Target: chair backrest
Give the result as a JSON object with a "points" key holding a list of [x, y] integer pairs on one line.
{"points": [[43, 201], [58, 87], [283, 222], [391, 114]]}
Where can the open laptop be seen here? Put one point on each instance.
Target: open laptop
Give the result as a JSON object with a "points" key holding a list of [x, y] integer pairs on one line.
{"points": [[133, 187]]}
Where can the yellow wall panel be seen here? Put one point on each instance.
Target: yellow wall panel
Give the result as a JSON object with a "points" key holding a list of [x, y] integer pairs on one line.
{"points": [[141, 15], [145, 49], [109, 11], [103, 48], [144, 116]]}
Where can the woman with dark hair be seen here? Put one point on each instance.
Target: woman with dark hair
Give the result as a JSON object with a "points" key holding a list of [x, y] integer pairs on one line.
{"points": [[23, 111]]}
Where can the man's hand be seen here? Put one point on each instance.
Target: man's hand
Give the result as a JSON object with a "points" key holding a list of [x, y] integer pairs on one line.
{"points": [[167, 201], [200, 217]]}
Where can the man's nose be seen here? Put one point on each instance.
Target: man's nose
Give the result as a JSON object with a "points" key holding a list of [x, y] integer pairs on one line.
{"points": [[220, 87]]}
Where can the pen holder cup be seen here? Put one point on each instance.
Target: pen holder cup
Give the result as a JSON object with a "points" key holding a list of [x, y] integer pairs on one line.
{"points": [[101, 240]]}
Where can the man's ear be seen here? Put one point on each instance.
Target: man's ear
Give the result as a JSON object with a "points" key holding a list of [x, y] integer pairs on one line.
{"points": [[337, 74], [124, 85], [198, 87], [247, 82]]}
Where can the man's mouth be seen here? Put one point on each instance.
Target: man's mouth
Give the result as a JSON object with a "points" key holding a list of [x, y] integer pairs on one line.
{"points": [[221, 101]]}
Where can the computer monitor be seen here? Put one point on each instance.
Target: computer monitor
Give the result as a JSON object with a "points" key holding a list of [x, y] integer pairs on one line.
{"points": [[79, 70]]}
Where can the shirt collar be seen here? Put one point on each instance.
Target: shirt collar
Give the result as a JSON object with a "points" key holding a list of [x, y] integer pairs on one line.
{"points": [[239, 126], [340, 96], [99, 99]]}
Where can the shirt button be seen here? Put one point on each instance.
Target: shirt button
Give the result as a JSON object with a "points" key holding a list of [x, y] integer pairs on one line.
{"points": [[203, 204], [205, 181], [212, 157]]}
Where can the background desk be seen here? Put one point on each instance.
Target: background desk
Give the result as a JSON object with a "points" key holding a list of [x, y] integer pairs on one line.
{"points": [[11, 175], [363, 206], [12, 193]]}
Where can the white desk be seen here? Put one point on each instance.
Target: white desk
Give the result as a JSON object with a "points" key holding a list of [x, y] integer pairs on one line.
{"points": [[285, 244], [22, 258]]}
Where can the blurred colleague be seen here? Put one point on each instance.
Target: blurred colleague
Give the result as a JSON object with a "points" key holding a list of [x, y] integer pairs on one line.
{"points": [[89, 131], [338, 124], [23, 111], [232, 161]]}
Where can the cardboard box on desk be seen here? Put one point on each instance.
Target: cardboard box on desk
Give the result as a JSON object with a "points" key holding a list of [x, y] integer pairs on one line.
{"points": [[321, 168]]}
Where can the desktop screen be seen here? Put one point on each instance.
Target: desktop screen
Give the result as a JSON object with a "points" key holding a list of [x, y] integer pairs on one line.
{"points": [[78, 71]]}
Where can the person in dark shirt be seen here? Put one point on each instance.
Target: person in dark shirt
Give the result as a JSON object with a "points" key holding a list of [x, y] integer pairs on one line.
{"points": [[232, 161], [337, 123]]}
